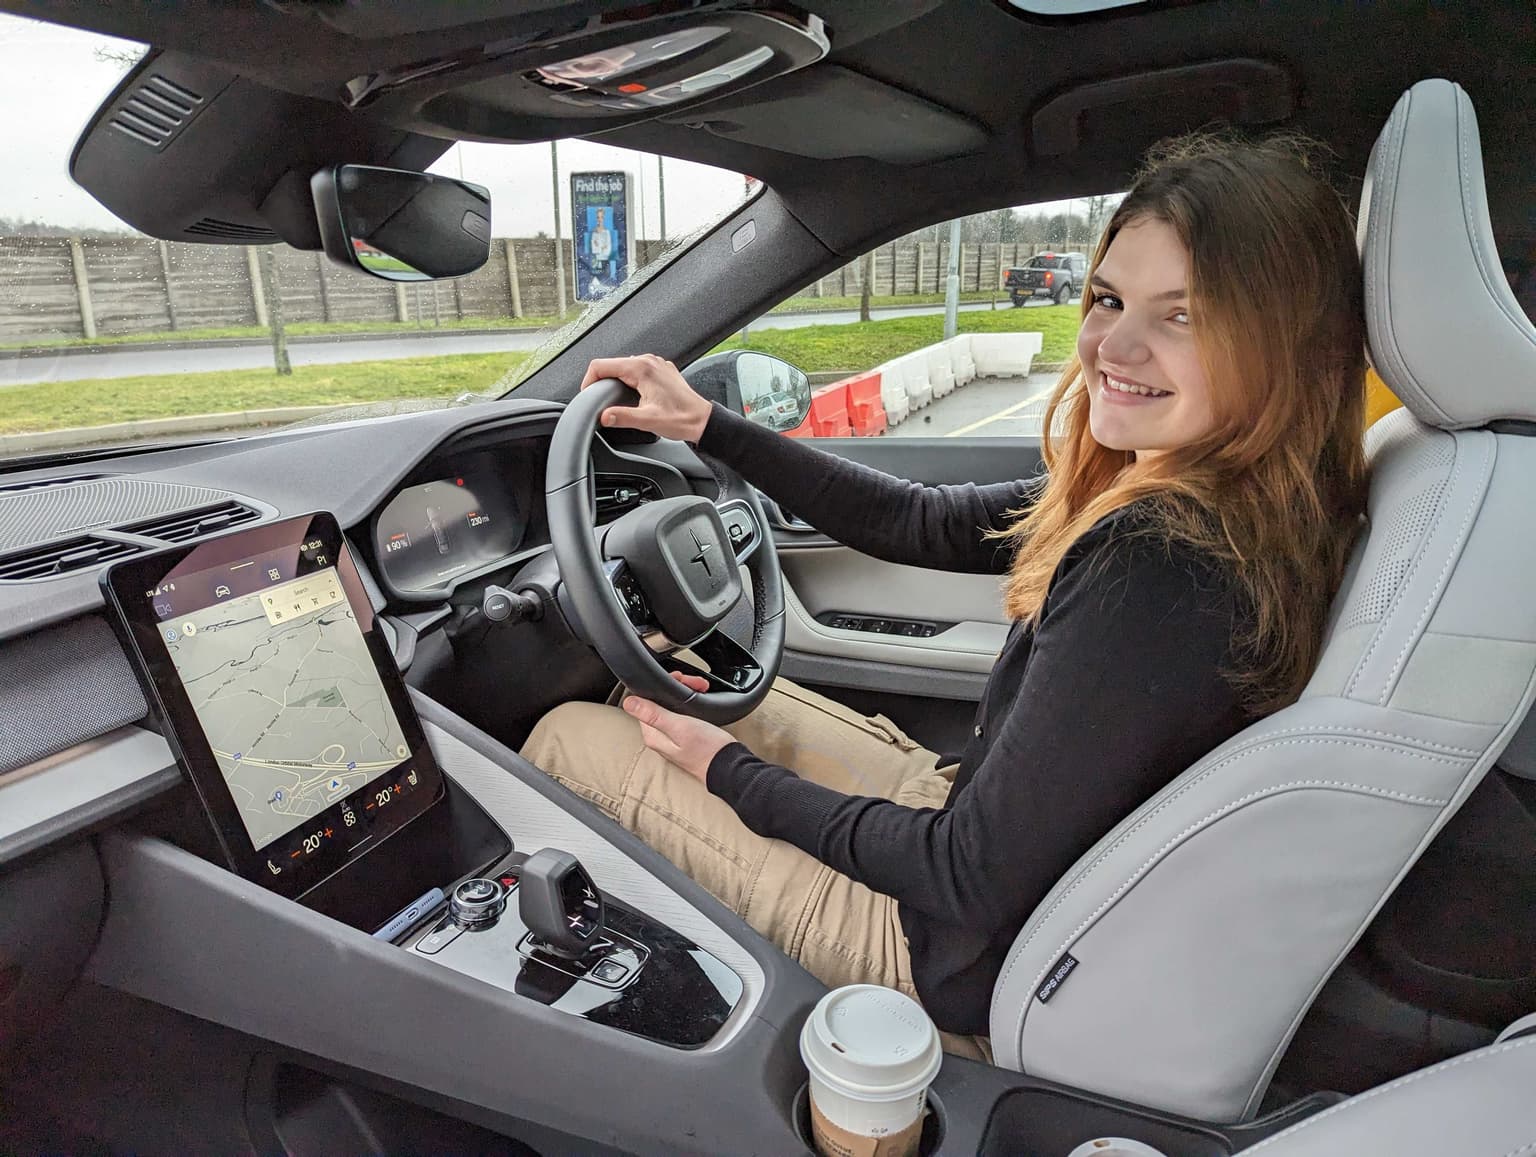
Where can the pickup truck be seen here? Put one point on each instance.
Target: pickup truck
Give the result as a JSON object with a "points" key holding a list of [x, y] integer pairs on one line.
{"points": [[1055, 275]]}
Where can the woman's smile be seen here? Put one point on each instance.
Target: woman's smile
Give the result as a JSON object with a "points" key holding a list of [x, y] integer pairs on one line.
{"points": [[1127, 391]]}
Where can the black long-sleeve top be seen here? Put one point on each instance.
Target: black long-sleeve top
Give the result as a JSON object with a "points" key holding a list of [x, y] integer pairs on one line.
{"points": [[1120, 686]]}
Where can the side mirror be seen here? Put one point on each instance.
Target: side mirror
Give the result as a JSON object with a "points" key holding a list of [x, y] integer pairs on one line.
{"points": [[401, 225], [766, 389]]}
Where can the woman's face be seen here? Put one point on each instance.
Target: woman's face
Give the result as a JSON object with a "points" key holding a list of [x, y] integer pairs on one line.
{"points": [[1147, 390]]}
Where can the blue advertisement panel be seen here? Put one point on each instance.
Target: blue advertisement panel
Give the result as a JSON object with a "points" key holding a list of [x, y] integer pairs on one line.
{"points": [[600, 228]]}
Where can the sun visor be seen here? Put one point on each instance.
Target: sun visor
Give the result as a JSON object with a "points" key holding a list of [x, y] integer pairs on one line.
{"points": [[1162, 102], [874, 120]]}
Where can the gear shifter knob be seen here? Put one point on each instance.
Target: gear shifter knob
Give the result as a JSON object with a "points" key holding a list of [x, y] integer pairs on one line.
{"points": [[559, 903]]}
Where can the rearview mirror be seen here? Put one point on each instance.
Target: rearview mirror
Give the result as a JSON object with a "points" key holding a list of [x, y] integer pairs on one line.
{"points": [[766, 389], [401, 225]]}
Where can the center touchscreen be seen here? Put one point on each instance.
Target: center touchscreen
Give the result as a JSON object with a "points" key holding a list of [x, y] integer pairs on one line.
{"points": [[280, 696], [285, 690]]}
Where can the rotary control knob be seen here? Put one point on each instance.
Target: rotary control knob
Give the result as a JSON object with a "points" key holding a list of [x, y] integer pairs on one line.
{"points": [[477, 903]]}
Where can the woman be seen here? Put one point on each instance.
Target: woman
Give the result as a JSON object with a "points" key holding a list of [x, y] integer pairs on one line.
{"points": [[1168, 583]]}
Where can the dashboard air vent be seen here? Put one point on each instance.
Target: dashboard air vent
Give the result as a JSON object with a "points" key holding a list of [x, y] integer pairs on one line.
{"points": [[189, 524], [46, 483], [155, 112], [231, 230], [84, 553]]}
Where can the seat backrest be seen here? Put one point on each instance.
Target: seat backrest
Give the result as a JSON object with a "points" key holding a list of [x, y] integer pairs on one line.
{"points": [[1172, 964]]}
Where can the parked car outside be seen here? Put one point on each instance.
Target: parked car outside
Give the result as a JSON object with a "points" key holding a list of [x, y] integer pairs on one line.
{"points": [[1055, 275]]}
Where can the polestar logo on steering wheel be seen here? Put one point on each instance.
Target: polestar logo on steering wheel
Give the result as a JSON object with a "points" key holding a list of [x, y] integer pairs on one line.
{"points": [[704, 549]]}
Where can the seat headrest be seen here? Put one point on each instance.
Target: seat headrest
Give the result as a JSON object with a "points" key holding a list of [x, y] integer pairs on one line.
{"points": [[1446, 333]]}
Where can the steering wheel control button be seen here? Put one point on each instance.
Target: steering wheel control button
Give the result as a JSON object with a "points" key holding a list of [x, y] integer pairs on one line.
{"points": [[497, 606], [560, 904], [477, 903], [740, 528]]}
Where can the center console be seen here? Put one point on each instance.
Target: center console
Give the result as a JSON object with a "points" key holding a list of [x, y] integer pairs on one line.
{"points": [[538, 927]]}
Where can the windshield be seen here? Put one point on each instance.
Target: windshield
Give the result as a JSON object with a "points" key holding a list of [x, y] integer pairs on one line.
{"points": [[110, 337], [1047, 262]]}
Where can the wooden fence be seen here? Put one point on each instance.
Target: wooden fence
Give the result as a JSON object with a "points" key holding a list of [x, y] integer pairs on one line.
{"points": [[69, 287]]}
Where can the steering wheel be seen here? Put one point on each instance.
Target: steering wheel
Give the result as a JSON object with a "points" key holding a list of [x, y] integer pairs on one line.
{"points": [[665, 575]]}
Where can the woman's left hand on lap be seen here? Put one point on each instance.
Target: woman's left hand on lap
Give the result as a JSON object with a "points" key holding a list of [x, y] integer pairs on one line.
{"points": [[681, 739]]}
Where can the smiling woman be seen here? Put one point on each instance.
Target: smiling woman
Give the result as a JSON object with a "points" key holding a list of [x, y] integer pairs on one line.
{"points": [[1219, 385], [1168, 585]]}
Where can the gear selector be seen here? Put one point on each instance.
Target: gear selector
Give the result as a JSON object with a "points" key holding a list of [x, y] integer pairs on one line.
{"points": [[559, 903]]}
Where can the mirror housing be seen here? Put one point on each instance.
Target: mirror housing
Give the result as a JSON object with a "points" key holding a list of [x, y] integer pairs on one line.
{"points": [[401, 225], [761, 387]]}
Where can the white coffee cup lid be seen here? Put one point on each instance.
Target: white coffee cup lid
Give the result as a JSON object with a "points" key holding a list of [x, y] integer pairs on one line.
{"points": [[872, 1041], [1115, 1147]]}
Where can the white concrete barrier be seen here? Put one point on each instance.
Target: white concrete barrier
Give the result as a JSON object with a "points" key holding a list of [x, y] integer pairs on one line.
{"points": [[1004, 355], [914, 371], [893, 394], [961, 363], [941, 372]]}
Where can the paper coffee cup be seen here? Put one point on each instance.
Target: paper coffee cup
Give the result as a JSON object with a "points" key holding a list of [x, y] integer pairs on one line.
{"points": [[871, 1052], [1115, 1147]]}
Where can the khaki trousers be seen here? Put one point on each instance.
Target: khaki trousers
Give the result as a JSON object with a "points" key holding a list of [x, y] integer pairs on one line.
{"points": [[839, 930]]}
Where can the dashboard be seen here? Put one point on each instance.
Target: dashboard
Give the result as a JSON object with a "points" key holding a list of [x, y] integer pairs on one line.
{"points": [[435, 505]]}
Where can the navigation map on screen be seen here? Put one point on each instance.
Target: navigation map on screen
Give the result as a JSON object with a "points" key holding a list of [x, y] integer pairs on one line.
{"points": [[287, 694]]}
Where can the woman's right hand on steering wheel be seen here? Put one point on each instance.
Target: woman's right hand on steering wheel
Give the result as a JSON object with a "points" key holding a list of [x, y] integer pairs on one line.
{"points": [[668, 407]]}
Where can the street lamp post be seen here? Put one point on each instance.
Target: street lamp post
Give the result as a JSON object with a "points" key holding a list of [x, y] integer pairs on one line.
{"points": [[554, 180], [952, 283]]}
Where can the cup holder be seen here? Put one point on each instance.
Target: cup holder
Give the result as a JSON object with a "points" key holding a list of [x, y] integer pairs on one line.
{"points": [[927, 1145]]}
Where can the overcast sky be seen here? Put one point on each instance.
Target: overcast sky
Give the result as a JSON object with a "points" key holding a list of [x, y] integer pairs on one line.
{"points": [[51, 81]]}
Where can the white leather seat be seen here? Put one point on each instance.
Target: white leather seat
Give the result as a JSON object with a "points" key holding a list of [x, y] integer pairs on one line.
{"points": [[1204, 925], [1476, 1105]]}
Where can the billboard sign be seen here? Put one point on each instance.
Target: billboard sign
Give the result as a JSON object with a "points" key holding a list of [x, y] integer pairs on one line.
{"points": [[604, 247]]}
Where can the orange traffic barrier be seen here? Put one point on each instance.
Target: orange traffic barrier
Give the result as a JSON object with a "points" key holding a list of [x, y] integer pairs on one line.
{"points": [[866, 412], [829, 412]]}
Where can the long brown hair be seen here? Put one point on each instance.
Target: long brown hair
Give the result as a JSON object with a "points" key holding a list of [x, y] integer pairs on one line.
{"points": [[1277, 489]]}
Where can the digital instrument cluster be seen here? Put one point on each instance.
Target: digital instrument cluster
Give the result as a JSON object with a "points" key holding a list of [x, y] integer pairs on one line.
{"points": [[432, 534]]}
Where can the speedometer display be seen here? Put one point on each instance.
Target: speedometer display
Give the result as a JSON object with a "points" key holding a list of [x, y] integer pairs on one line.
{"points": [[431, 534]]}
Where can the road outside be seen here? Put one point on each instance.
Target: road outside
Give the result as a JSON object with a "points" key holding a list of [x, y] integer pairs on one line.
{"points": [[986, 408]]}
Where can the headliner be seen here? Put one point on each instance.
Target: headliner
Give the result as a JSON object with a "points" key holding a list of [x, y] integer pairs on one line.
{"points": [[966, 77]]}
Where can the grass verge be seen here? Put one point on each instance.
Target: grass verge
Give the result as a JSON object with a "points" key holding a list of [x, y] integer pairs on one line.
{"points": [[105, 401], [810, 304], [817, 348]]}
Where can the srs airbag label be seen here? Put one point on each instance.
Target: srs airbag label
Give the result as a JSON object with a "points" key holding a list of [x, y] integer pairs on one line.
{"points": [[1057, 978]]}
